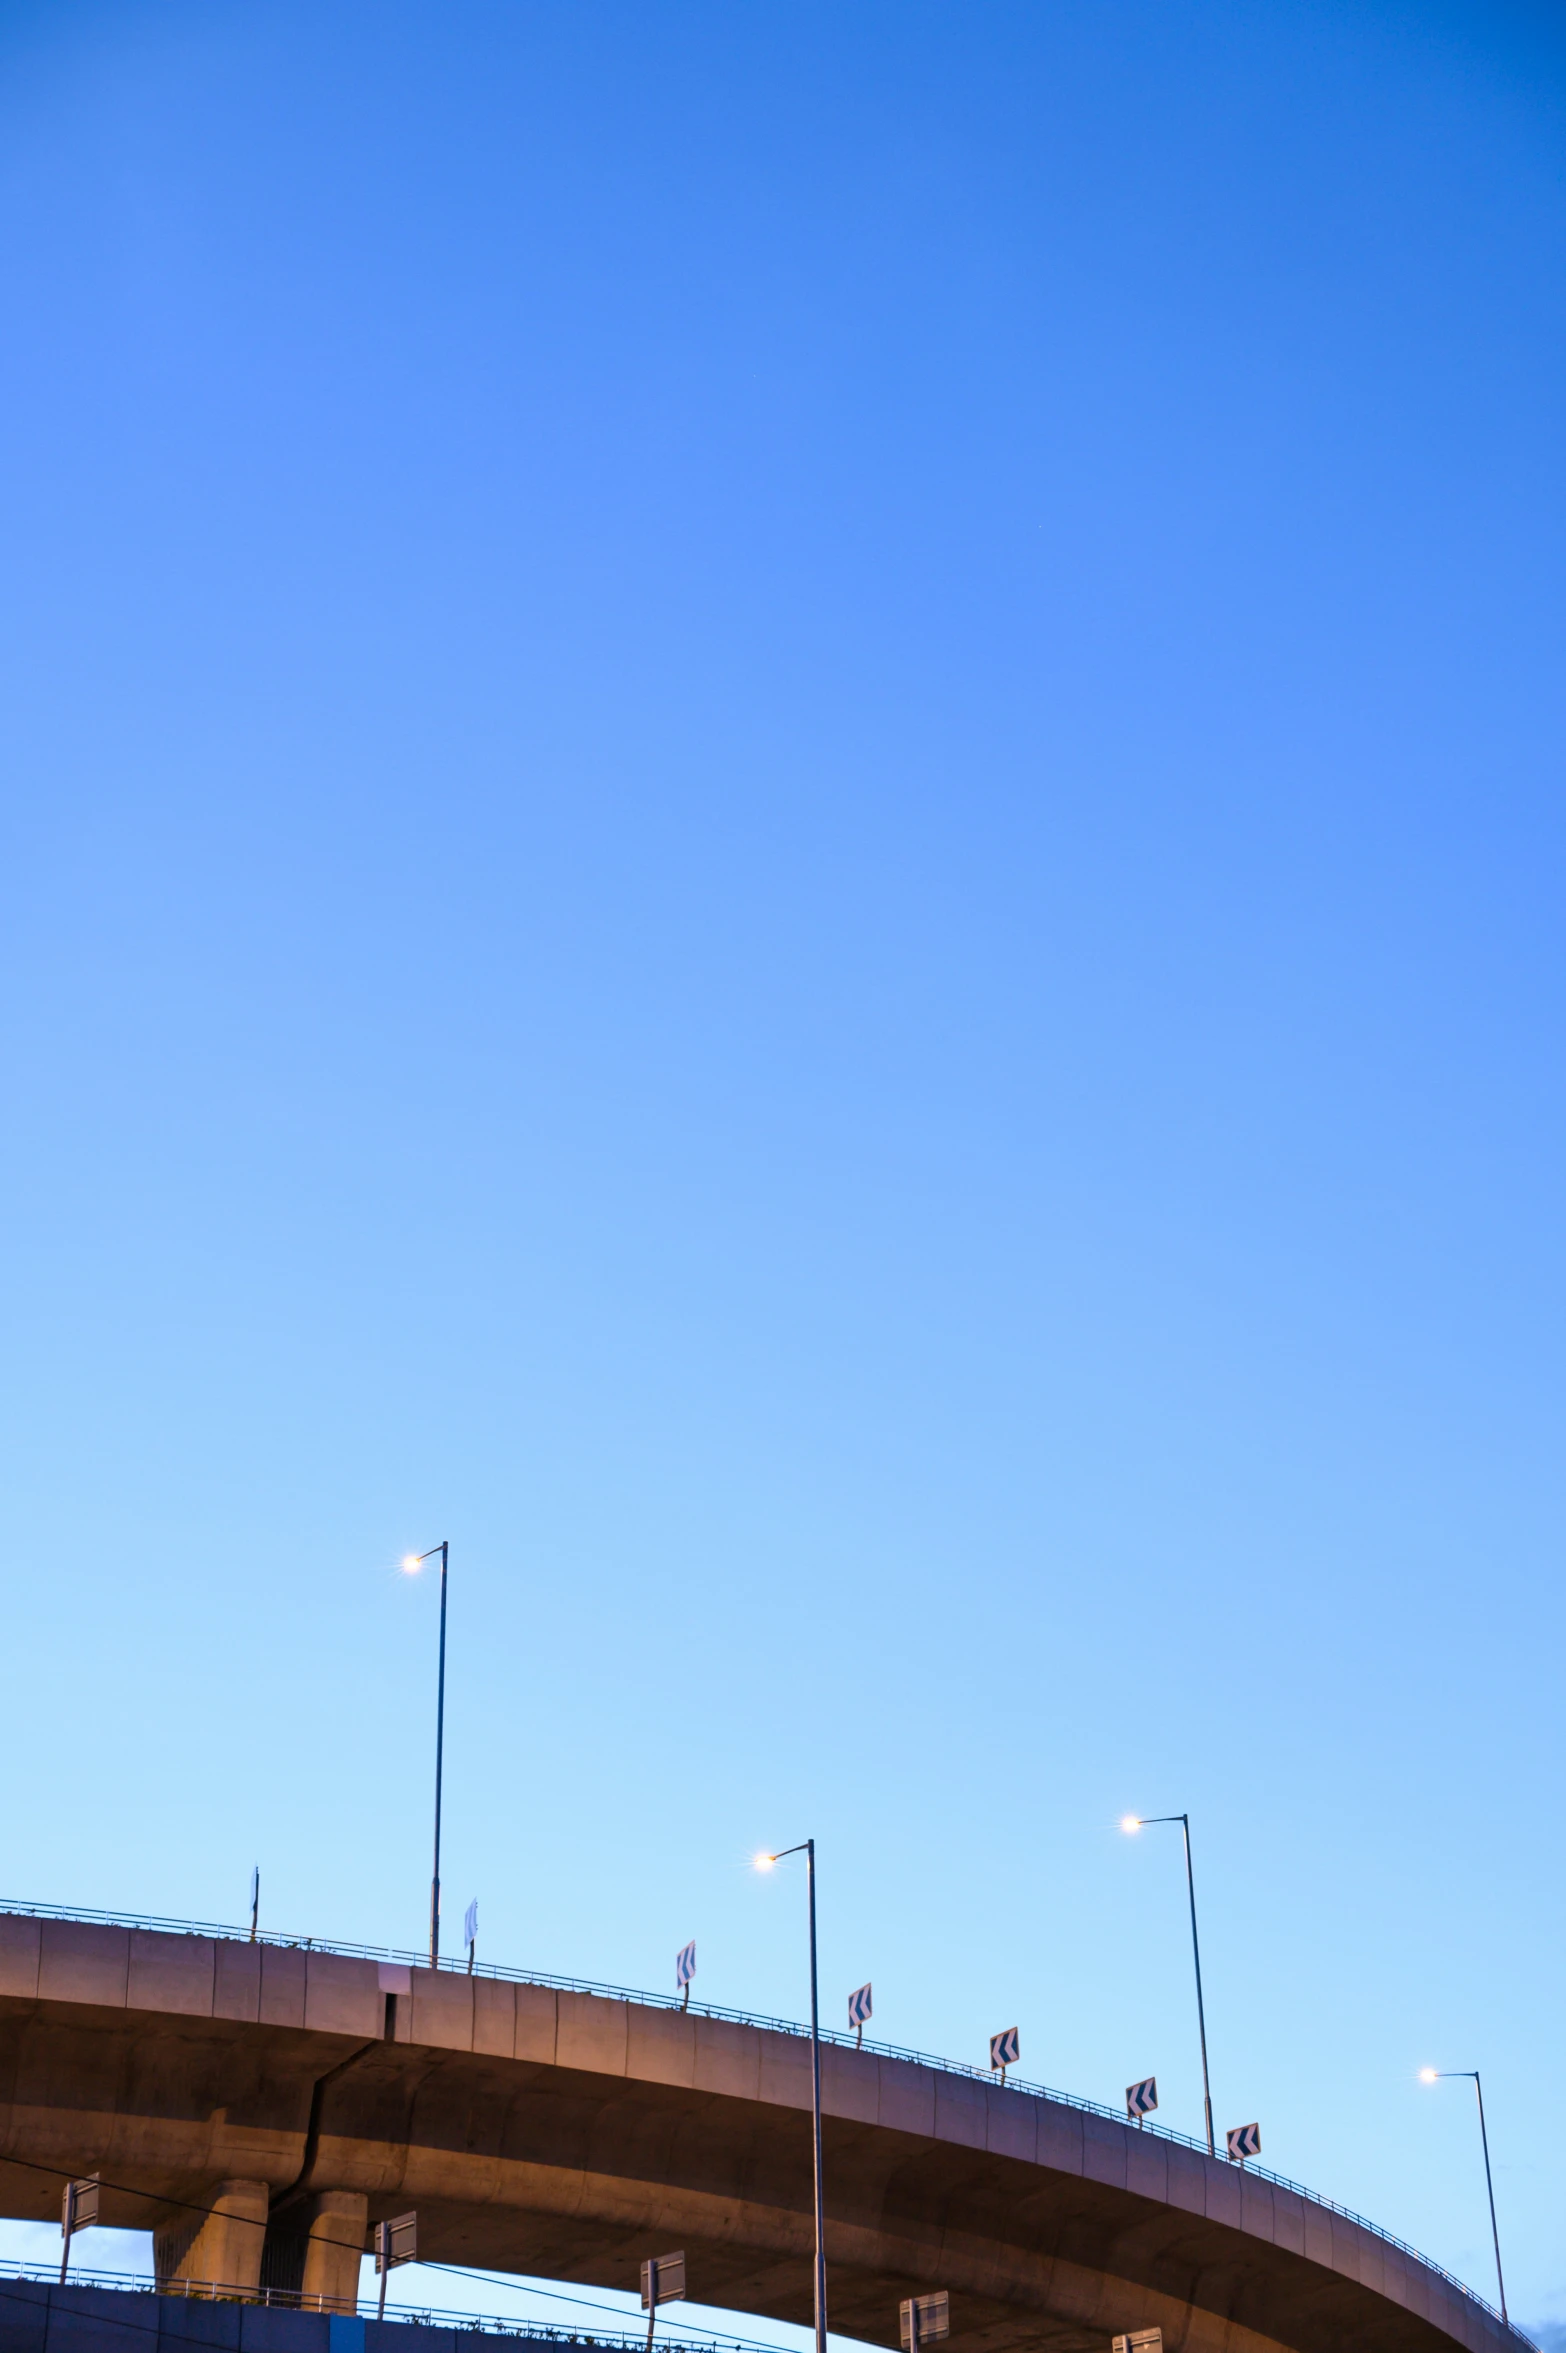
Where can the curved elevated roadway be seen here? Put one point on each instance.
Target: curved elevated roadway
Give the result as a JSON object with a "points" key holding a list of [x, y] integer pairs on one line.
{"points": [[259, 2105]]}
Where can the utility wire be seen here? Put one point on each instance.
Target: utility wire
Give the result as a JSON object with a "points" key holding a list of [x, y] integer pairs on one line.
{"points": [[489, 2279], [154, 2328], [52, 2289], [258, 2222], [124, 2190]]}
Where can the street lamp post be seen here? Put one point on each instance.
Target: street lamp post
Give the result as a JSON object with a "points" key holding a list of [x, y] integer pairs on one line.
{"points": [[764, 1862], [1143, 1822], [1471, 2075], [414, 1562]]}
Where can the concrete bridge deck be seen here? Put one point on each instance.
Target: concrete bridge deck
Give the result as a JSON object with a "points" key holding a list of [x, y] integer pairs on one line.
{"points": [[257, 2106]]}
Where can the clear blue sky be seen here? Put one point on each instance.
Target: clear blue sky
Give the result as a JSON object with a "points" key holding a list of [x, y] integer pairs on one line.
{"points": [[783, 833]]}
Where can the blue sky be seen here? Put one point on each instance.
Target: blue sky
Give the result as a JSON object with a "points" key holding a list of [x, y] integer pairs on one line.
{"points": [[783, 834]]}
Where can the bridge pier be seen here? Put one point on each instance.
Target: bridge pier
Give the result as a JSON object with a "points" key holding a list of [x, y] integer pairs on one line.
{"points": [[220, 2250], [313, 2248]]}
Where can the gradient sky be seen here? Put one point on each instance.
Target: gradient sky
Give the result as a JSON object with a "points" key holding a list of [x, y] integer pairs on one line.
{"points": [[783, 834]]}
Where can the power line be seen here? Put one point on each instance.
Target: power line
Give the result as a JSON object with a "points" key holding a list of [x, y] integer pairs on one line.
{"points": [[555, 2296], [485, 2279], [123, 2189], [520, 2327]]}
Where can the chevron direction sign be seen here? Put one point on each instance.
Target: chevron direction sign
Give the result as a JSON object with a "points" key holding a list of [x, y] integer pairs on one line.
{"points": [[859, 2009], [1140, 2340], [1141, 2098], [685, 1963], [1003, 2050], [1244, 2141]]}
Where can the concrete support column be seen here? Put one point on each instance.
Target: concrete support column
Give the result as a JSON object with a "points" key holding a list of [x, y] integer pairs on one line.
{"points": [[219, 2251], [339, 2220]]}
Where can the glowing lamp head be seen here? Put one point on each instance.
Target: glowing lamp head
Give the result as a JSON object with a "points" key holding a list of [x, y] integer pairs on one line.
{"points": [[764, 1862], [411, 1562], [1130, 1821], [1429, 2075]]}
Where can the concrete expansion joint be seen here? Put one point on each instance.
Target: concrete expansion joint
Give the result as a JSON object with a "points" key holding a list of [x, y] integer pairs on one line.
{"points": [[300, 2184]]}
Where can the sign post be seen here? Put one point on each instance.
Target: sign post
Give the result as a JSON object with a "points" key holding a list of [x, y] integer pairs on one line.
{"points": [[860, 2007], [470, 1931], [78, 2211], [663, 2281], [396, 2242], [684, 1971]]}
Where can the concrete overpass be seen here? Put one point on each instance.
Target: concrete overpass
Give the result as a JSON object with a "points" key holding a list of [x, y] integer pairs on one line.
{"points": [[258, 2106]]}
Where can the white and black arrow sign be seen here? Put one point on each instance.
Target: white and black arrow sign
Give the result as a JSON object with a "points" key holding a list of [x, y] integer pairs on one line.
{"points": [[1003, 2050], [1244, 2141], [1142, 2098]]}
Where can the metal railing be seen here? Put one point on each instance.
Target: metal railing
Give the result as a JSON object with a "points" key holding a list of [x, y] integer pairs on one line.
{"points": [[541, 2332], [789, 2026]]}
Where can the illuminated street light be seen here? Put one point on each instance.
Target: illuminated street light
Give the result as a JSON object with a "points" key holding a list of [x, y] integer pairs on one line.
{"points": [[1471, 2075], [413, 1562], [1134, 1822], [765, 1862]]}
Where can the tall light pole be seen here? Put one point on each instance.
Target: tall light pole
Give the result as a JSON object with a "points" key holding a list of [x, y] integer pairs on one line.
{"points": [[1471, 2075], [1143, 1822], [413, 1563], [764, 1862]]}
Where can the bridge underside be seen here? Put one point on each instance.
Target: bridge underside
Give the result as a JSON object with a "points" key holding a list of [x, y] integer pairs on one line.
{"points": [[568, 2174]]}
